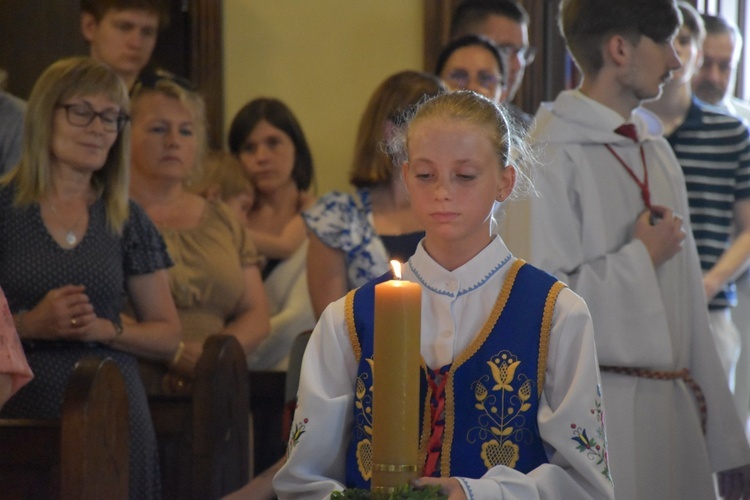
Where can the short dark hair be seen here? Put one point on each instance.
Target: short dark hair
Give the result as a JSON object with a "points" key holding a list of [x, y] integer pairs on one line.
{"points": [[718, 25], [280, 116], [470, 13], [586, 24], [99, 8], [468, 41]]}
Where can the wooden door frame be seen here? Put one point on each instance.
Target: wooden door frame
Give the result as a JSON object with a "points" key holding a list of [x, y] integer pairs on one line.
{"points": [[206, 65], [544, 78]]}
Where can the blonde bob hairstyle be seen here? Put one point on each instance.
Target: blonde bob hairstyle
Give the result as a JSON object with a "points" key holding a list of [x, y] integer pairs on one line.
{"points": [[60, 82], [174, 87]]}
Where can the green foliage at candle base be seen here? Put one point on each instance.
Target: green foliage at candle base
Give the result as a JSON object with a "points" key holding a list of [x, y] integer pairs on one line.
{"points": [[405, 492]]}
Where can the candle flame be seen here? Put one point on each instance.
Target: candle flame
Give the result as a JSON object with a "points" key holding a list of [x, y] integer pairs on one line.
{"points": [[396, 265]]}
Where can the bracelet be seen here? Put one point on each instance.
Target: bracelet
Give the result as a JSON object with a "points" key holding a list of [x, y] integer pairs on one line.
{"points": [[177, 354], [18, 322], [118, 331]]}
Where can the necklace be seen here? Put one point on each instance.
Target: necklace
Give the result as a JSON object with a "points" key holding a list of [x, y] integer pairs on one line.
{"points": [[70, 236]]}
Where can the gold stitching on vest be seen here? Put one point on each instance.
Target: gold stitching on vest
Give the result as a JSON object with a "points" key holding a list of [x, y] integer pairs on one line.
{"points": [[549, 310], [349, 314], [502, 299]]}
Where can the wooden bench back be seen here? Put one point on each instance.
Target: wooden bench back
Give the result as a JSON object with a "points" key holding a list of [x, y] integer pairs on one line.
{"points": [[84, 454], [204, 436]]}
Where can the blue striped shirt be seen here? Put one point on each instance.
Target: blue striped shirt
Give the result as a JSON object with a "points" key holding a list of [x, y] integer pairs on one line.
{"points": [[713, 149]]}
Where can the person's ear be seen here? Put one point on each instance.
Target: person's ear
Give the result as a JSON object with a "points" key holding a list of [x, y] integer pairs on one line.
{"points": [[404, 171], [618, 49], [507, 181], [88, 26]]}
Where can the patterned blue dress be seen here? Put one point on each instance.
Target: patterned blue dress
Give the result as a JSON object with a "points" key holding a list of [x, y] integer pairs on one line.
{"points": [[344, 222], [32, 264]]}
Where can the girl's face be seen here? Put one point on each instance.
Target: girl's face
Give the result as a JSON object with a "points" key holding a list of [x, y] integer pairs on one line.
{"points": [[454, 177], [474, 68], [164, 144], [268, 157], [84, 147]]}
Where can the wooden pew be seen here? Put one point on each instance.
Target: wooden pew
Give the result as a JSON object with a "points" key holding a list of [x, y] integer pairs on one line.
{"points": [[84, 454], [203, 436], [267, 408]]}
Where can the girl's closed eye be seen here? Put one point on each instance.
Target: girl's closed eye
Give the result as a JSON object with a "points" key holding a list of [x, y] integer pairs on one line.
{"points": [[466, 177], [186, 131]]}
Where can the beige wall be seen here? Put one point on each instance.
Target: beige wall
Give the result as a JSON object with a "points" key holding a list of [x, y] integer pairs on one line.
{"points": [[323, 58]]}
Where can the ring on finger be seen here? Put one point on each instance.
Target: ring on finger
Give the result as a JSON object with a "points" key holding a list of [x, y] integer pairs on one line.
{"points": [[73, 322]]}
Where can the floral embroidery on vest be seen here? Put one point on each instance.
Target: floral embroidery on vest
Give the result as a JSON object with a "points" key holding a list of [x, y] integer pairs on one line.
{"points": [[502, 409], [363, 424]]}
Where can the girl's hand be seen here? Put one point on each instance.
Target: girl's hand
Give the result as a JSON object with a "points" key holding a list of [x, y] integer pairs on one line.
{"points": [[449, 486]]}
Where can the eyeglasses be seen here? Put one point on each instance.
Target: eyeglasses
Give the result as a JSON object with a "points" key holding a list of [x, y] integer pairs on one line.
{"points": [[460, 78], [81, 115], [526, 53]]}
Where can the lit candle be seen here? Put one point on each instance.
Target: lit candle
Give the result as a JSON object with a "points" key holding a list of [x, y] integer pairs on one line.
{"points": [[397, 360]]}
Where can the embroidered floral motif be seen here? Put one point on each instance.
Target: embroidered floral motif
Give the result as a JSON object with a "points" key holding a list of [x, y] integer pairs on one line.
{"points": [[594, 448], [502, 418], [363, 424], [299, 429]]}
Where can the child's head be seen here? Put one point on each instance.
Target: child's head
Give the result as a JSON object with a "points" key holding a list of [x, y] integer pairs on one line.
{"points": [[587, 24], [224, 178], [464, 158]]}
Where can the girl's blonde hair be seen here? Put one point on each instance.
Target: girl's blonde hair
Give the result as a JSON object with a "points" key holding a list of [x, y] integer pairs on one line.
{"points": [[506, 135], [60, 82]]}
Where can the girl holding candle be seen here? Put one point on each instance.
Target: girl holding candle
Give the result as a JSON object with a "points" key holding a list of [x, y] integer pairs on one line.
{"points": [[510, 405]]}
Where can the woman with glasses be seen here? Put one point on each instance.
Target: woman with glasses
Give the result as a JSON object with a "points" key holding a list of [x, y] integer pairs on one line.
{"points": [[472, 62], [73, 247]]}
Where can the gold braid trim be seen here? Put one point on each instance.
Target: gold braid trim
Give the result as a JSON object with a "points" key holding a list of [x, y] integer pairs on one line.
{"points": [[549, 310], [349, 314], [502, 300]]}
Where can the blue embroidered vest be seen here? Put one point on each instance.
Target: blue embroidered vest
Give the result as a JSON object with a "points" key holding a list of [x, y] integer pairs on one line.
{"points": [[493, 386]]}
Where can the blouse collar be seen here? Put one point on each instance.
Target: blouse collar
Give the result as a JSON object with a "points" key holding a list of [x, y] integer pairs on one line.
{"points": [[471, 276]]}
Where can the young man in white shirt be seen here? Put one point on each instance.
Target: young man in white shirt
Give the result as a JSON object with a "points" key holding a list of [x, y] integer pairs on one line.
{"points": [[608, 222]]}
